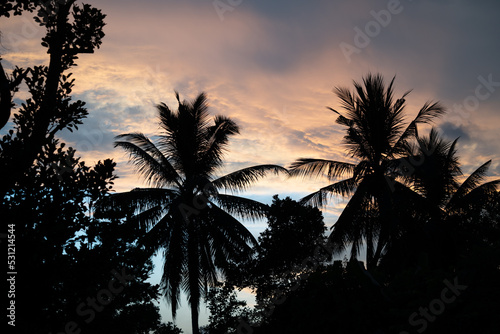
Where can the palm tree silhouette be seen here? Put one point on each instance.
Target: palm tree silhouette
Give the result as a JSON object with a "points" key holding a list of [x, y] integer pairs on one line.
{"points": [[376, 136], [184, 213], [447, 206]]}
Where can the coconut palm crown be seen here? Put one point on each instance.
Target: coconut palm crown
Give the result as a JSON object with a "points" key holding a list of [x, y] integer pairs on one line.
{"points": [[376, 136], [446, 213], [185, 212]]}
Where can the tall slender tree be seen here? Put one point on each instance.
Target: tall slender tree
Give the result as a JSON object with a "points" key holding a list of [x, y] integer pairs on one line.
{"points": [[184, 213], [377, 135]]}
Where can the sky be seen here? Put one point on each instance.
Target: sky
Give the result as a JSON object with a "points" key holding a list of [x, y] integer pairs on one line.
{"points": [[272, 67]]}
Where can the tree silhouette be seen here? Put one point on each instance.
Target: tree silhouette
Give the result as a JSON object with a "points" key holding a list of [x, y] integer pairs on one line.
{"points": [[376, 136], [7, 87], [17, 6], [337, 299], [64, 255], [71, 30], [226, 311], [168, 328], [294, 233], [446, 207], [184, 213]]}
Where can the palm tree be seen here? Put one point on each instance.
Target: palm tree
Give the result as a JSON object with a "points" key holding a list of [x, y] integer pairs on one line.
{"points": [[449, 207], [377, 135], [183, 212]]}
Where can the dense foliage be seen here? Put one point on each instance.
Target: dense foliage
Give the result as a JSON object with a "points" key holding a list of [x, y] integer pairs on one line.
{"points": [[74, 272]]}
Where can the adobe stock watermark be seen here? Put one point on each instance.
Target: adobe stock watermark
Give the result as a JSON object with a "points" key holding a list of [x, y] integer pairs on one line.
{"points": [[104, 297], [483, 91], [436, 307], [372, 29], [223, 6], [30, 29], [150, 90]]}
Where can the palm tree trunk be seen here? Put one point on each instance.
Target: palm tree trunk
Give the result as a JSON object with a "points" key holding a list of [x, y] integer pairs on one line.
{"points": [[194, 319], [194, 276], [384, 201]]}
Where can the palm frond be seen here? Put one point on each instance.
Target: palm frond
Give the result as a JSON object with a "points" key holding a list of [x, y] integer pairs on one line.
{"points": [[428, 112], [451, 159], [146, 219], [320, 167], [131, 202], [208, 270], [243, 207], [151, 169], [243, 178], [426, 115], [347, 99], [319, 198], [225, 241], [144, 143], [341, 119], [185, 133], [476, 197], [174, 265], [471, 182], [215, 143], [157, 236], [235, 233], [345, 231], [482, 193], [168, 118]]}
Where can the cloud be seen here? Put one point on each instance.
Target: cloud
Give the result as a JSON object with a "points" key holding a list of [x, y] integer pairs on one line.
{"points": [[272, 67], [451, 132]]}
